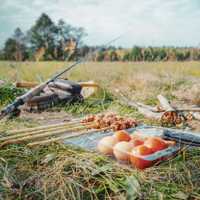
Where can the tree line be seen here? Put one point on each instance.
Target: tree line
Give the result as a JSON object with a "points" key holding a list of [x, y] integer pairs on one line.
{"points": [[149, 54], [47, 40]]}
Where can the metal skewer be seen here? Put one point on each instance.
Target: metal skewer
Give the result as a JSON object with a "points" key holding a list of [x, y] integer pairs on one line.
{"points": [[40, 131], [43, 127], [44, 142], [38, 136]]}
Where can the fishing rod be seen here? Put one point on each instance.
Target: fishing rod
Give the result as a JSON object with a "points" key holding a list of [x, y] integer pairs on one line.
{"points": [[82, 60], [36, 90]]}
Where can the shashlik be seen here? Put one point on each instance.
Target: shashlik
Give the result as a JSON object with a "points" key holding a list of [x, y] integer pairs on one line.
{"points": [[111, 120]]}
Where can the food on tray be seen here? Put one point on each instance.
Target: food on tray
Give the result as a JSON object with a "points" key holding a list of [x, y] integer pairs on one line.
{"points": [[133, 148], [155, 143], [136, 159], [136, 142], [122, 150], [106, 145], [111, 120], [122, 136]]}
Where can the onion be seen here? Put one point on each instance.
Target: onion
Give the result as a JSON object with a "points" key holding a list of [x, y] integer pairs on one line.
{"points": [[122, 150], [106, 145]]}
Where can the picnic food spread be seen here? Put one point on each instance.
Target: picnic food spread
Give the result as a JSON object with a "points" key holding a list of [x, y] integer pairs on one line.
{"points": [[112, 120], [131, 149], [139, 149]]}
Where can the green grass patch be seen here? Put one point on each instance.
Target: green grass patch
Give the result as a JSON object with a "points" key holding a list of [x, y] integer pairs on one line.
{"points": [[8, 93]]}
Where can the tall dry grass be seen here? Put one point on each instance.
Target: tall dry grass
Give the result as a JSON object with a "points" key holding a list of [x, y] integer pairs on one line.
{"points": [[139, 80]]}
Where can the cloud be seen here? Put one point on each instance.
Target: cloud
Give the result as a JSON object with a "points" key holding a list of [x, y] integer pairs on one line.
{"points": [[152, 22]]}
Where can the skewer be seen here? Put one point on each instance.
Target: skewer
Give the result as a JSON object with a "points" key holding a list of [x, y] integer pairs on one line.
{"points": [[44, 142], [22, 139], [42, 131], [43, 127]]}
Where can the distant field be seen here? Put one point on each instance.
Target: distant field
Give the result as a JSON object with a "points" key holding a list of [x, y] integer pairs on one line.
{"points": [[139, 80], [33, 70]]}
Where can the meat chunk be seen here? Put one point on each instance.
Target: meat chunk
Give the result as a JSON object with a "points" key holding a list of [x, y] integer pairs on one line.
{"points": [[110, 120]]}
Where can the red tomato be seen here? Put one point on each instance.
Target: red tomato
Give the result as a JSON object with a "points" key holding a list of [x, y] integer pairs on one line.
{"points": [[137, 161], [155, 143], [136, 142], [122, 136]]}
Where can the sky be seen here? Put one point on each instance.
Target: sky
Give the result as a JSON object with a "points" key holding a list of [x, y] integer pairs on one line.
{"points": [[141, 22]]}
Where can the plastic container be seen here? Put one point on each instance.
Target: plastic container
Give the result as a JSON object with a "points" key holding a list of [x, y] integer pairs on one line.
{"points": [[90, 142]]}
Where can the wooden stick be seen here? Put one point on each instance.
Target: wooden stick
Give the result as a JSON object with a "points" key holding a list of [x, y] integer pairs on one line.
{"points": [[26, 84], [165, 103], [42, 131], [23, 139], [88, 84], [43, 127], [151, 108], [64, 137], [146, 112]]}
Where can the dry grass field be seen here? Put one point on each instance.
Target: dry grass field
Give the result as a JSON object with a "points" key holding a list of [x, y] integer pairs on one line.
{"points": [[141, 81], [64, 172]]}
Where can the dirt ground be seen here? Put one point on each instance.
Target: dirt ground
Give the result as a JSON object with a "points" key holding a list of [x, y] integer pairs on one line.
{"points": [[47, 117]]}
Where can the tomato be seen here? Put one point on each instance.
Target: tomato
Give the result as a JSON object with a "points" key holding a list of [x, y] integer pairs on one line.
{"points": [[136, 142], [136, 160], [155, 143], [122, 136]]}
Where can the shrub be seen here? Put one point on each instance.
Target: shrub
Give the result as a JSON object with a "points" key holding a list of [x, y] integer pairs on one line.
{"points": [[8, 93]]}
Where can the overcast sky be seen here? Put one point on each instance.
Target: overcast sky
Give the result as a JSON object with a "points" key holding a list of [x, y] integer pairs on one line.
{"points": [[146, 22]]}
